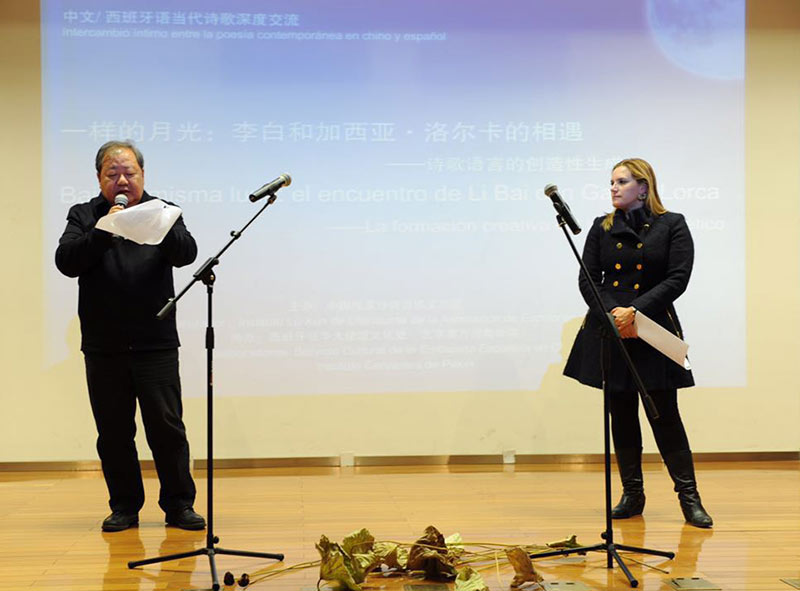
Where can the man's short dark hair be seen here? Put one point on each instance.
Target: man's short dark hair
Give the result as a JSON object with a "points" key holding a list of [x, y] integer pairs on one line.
{"points": [[113, 145]]}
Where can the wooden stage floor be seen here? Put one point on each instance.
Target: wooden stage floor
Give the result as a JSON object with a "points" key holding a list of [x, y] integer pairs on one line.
{"points": [[51, 536]]}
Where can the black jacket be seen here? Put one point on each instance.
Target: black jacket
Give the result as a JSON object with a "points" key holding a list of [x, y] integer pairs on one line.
{"points": [[646, 263], [122, 285]]}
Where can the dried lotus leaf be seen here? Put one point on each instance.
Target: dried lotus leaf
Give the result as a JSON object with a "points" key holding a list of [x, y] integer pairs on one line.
{"points": [[570, 542], [437, 567], [402, 557], [468, 579], [455, 544], [358, 542], [431, 541], [389, 555], [523, 567], [363, 564], [336, 566]]}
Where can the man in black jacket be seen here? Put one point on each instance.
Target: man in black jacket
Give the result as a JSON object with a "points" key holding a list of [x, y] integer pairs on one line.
{"points": [[130, 355]]}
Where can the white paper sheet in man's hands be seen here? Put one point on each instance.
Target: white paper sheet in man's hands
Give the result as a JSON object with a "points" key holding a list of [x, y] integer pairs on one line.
{"points": [[661, 339], [145, 223]]}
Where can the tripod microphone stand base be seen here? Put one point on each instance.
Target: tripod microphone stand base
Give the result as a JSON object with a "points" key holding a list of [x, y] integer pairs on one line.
{"points": [[612, 553], [211, 551]]}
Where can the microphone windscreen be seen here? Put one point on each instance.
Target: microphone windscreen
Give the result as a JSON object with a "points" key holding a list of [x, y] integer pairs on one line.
{"points": [[121, 199]]}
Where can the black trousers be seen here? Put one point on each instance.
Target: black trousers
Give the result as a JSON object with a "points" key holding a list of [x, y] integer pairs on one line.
{"points": [[115, 383], [668, 429]]}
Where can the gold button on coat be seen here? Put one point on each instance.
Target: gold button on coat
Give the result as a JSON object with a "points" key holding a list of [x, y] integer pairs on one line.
{"points": [[617, 266], [619, 244], [639, 245], [616, 283], [639, 267], [636, 286]]}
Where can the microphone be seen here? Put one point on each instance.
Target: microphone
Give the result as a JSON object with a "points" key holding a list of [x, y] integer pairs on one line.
{"points": [[121, 199], [271, 187], [562, 208]]}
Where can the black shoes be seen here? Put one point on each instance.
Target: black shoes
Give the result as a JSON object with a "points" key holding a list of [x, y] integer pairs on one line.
{"points": [[629, 462], [630, 505], [693, 510], [119, 521], [186, 518], [681, 468]]}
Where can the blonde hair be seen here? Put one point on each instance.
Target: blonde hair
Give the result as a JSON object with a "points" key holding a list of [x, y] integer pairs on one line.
{"points": [[643, 173]]}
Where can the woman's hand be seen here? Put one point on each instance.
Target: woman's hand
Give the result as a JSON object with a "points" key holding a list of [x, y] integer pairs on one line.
{"points": [[629, 332], [623, 318]]}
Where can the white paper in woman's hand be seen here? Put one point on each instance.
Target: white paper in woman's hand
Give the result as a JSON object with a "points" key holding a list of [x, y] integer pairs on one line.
{"points": [[661, 339]]}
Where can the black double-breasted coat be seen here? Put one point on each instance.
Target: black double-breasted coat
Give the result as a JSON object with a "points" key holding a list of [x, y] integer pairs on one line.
{"points": [[647, 269]]}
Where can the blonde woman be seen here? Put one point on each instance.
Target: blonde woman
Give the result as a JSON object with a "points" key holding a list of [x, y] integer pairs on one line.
{"points": [[640, 256]]}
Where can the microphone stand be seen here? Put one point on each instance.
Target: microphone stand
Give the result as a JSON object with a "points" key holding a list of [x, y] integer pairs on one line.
{"points": [[607, 545], [206, 274]]}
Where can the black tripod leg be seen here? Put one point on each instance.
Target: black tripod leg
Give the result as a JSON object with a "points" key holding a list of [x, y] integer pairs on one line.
{"points": [[248, 553], [612, 551], [214, 577], [663, 553], [198, 552], [568, 551]]}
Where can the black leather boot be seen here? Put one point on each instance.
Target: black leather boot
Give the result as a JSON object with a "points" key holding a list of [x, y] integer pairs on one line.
{"points": [[681, 469], [629, 462]]}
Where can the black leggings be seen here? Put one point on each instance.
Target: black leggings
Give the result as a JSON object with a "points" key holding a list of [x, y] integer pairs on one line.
{"points": [[668, 429]]}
